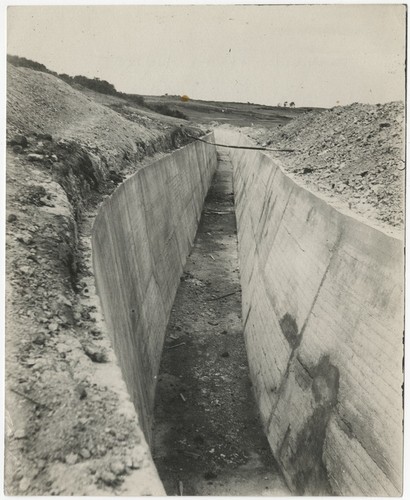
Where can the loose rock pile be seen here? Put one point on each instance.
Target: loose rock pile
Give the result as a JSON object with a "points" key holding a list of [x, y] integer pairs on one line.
{"points": [[355, 153]]}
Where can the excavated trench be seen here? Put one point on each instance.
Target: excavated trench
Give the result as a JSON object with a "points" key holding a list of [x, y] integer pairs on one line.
{"points": [[207, 437], [322, 303]]}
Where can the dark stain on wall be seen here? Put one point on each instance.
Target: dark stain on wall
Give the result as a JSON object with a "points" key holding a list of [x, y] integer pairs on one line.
{"points": [[325, 384], [302, 454], [290, 330]]}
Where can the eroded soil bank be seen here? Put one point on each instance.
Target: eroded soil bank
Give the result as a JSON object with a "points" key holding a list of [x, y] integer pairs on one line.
{"points": [[208, 439]]}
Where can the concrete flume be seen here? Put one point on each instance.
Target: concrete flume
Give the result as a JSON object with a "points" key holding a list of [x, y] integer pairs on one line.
{"points": [[322, 310]]}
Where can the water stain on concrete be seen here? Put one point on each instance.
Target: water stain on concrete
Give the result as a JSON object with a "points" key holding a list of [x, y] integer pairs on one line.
{"points": [[303, 453], [290, 330], [325, 386]]}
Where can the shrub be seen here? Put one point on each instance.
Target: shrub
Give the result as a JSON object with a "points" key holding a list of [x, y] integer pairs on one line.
{"points": [[164, 109], [28, 63], [135, 98], [101, 86]]}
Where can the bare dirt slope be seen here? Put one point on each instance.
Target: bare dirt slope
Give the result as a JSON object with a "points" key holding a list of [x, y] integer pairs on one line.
{"points": [[71, 428], [137, 113], [39, 102], [353, 154]]}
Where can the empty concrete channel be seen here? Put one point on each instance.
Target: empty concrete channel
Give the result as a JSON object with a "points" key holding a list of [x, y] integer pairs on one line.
{"points": [[208, 437], [256, 342]]}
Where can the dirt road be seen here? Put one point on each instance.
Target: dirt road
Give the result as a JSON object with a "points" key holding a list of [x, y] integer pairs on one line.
{"points": [[208, 439]]}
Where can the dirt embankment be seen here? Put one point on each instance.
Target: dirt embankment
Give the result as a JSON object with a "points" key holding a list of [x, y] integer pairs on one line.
{"points": [[353, 153], [71, 428]]}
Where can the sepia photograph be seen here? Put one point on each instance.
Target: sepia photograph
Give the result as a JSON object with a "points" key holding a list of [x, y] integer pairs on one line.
{"points": [[204, 287]]}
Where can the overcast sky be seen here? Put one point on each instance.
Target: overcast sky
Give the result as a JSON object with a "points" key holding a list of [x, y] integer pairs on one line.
{"points": [[318, 55]]}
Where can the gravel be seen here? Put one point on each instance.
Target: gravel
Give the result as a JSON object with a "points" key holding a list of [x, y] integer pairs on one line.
{"points": [[354, 153]]}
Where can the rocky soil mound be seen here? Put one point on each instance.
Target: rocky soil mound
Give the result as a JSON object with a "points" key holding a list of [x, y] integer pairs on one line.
{"points": [[352, 153], [41, 103]]}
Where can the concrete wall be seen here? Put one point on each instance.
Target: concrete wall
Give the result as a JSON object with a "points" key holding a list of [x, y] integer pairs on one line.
{"points": [[323, 317], [141, 238]]}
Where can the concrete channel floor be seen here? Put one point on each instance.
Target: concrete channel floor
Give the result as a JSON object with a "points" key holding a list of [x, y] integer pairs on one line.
{"points": [[207, 436]]}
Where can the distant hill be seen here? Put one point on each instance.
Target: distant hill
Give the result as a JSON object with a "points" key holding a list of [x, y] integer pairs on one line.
{"points": [[233, 113]]}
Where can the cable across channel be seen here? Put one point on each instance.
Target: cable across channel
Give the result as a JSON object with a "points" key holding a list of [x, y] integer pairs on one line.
{"points": [[242, 147]]}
